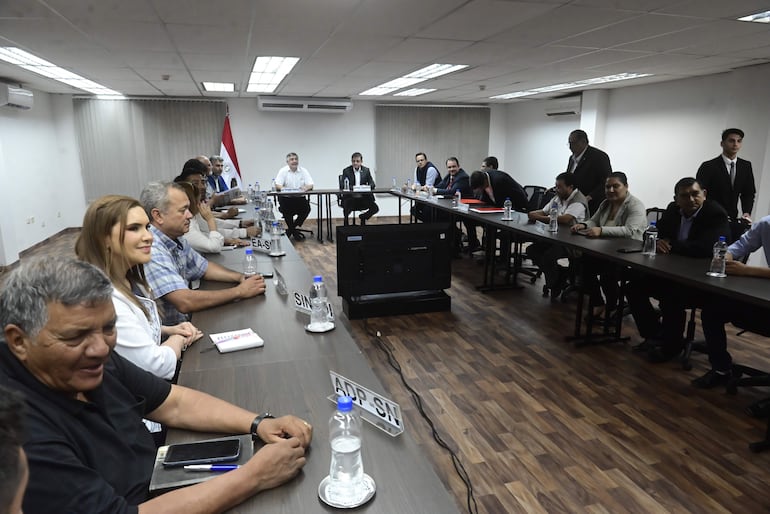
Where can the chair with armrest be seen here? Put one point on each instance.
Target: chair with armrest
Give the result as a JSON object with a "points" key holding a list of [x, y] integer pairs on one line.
{"points": [[654, 214]]}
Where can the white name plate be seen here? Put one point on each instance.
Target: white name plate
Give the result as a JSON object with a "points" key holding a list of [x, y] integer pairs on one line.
{"points": [[374, 408], [362, 189], [261, 245], [463, 207], [302, 304]]}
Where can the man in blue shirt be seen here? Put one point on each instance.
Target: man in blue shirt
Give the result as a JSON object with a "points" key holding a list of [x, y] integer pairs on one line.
{"points": [[175, 264], [718, 311]]}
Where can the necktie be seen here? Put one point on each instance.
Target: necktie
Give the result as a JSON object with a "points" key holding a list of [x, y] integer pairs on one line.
{"points": [[451, 179], [732, 173]]}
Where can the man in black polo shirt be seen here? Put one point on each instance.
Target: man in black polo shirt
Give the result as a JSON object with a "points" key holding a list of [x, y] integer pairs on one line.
{"points": [[87, 447]]}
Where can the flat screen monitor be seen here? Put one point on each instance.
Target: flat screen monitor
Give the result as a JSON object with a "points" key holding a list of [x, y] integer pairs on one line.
{"points": [[383, 259]]}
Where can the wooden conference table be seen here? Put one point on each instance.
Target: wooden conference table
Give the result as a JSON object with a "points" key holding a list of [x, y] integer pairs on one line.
{"points": [[290, 375]]}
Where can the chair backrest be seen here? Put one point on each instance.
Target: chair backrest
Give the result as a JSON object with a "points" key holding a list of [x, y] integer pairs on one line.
{"points": [[534, 196], [737, 229], [654, 214]]}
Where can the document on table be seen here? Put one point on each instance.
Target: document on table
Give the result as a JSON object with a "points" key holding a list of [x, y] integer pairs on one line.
{"points": [[236, 340]]}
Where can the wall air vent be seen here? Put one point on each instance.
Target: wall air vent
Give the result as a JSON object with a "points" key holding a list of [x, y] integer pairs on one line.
{"points": [[299, 104]]}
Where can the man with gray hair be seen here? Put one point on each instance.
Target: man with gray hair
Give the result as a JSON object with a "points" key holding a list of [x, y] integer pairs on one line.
{"points": [[215, 180], [88, 450], [174, 263]]}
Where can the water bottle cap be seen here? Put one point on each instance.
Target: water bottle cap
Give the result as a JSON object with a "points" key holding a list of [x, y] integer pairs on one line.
{"points": [[722, 239], [653, 223], [344, 403], [507, 197], [249, 251], [275, 223], [318, 278]]}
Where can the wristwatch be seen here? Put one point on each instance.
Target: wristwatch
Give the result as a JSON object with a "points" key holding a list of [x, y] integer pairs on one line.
{"points": [[255, 424]]}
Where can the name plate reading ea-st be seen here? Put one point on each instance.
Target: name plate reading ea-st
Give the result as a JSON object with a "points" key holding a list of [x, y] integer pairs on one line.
{"points": [[261, 245], [374, 408], [302, 304]]}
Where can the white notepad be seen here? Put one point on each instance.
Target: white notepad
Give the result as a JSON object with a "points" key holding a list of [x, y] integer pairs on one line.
{"points": [[236, 340]]}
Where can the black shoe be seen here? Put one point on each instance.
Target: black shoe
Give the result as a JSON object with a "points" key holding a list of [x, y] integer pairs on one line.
{"points": [[663, 353], [647, 345], [712, 379], [362, 218], [299, 236]]}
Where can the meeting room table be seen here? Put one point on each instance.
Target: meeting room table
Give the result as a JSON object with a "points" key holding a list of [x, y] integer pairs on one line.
{"points": [[290, 375]]}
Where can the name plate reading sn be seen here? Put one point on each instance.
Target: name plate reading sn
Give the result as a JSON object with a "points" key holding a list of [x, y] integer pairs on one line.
{"points": [[373, 407]]}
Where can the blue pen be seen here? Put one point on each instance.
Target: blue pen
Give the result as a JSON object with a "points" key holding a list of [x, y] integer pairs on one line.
{"points": [[211, 467]]}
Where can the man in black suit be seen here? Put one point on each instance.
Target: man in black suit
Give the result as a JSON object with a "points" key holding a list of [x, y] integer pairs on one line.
{"points": [[358, 175], [591, 167], [690, 227], [494, 186], [728, 178]]}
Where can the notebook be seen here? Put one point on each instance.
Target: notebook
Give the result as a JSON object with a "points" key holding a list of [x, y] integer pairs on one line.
{"points": [[236, 340]]}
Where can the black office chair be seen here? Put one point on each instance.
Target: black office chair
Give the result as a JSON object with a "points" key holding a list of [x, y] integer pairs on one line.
{"points": [[654, 214]]}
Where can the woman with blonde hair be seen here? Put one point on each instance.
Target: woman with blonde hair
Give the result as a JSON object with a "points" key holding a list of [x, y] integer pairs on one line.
{"points": [[116, 238]]}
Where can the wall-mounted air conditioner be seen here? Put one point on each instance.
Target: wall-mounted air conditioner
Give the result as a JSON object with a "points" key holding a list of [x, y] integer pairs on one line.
{"points": [[563, 107], [300, 104], [16, 97]]}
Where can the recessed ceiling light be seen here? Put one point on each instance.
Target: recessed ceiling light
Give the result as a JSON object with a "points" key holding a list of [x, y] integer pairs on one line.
{"points": [[42, 67], [414, 92], [760, 17], [219, 87], [429, 72], [268, 72], [571, 85]]}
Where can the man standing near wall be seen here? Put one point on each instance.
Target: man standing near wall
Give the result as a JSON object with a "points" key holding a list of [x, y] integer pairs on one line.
{"points": [[727, 178], [591, 167]]}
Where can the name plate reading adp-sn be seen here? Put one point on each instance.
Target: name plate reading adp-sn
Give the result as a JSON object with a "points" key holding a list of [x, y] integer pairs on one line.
{"points": [[373, 407]]}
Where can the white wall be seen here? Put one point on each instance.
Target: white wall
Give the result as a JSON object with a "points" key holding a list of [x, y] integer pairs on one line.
{"points": [[536, 145], [41, 172]]}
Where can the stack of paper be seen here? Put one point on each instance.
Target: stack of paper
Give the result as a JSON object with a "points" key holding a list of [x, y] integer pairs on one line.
{"points": [[236, 340]]}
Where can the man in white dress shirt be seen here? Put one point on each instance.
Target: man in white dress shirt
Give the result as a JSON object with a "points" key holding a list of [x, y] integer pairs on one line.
{"points": [[295, 209]]}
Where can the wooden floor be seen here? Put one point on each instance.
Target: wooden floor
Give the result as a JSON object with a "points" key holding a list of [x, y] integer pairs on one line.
{"points": [[544, 427]]}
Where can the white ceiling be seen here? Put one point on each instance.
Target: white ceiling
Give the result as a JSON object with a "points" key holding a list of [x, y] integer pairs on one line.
{"points": [[169, 47]]}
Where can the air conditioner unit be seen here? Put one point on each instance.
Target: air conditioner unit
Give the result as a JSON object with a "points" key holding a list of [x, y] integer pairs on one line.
{"points": [[15, 97], [299, 104], [563, 107]]}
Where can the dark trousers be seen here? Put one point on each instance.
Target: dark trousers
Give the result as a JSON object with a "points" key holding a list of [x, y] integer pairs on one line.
{"points": [[545, 256], [363, 203], [295, 210], [601, 277], [670, 324], [717, 312]]}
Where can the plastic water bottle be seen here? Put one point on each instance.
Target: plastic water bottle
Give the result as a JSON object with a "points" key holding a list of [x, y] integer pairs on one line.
{"points": [[507, 206], [268, 217], [346, 471], [250, 193], [318, 302], [256, 186], [650, 240], [275, 240], [257, 216], [249, 263], [553, 218], [409, 184], [394, 183], [717, 268], [346, 184], [272, 187]]}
